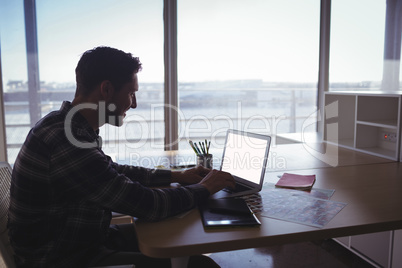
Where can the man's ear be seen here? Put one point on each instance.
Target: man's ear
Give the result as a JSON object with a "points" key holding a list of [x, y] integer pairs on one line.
{"points": [[107, 90]]}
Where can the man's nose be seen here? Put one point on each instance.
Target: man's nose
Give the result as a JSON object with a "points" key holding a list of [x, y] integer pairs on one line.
{"points": [[133, 102]]}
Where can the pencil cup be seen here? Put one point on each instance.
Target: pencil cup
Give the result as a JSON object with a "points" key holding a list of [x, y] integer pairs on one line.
{"points": [[204, 160]]}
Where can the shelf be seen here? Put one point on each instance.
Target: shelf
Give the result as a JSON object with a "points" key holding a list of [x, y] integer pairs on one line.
{"points": [[390, 154], [392, 124], [346, 143], [361, 119], [377, 108], [366, 93]]}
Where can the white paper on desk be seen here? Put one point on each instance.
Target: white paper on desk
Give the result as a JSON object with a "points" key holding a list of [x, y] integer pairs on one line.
{"points": [[287, 206]]}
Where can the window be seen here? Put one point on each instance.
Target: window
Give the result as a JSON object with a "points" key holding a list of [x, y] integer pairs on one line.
{"points": [[357, 45], [64, 31], [14, 72], [248, 65]]}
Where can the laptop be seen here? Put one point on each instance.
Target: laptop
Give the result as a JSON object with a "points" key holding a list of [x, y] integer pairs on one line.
{"points": [[245, 156]]}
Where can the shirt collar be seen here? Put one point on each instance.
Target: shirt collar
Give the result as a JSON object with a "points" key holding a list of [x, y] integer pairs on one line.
{"points": [[82, 127]]}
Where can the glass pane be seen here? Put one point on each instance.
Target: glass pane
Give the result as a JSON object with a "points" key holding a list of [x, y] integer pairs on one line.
{"points": [[357, 45], [65, 30], [14, 75], [247, 65]]}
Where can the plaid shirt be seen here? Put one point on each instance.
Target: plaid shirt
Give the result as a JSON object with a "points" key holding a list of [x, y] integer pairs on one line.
{"points": [[62, 195]]}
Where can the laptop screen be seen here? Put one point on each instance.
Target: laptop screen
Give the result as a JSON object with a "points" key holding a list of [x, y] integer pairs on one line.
{"points": [[245, 155]]}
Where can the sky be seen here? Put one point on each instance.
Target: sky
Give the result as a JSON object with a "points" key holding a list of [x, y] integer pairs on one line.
{"points": [[267, 40]]}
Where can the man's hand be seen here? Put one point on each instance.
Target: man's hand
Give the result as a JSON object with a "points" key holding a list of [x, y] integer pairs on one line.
{"points": [[217, 180], [190, 176]]}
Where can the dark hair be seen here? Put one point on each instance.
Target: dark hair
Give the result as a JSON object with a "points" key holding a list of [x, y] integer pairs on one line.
{"points": [[105, 63]]}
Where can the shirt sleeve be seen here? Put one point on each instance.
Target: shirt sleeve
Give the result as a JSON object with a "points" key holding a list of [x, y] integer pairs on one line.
{"points": [[146, 176], [93, 177]]}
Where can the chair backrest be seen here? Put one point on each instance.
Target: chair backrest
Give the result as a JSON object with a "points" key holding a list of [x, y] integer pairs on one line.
{"points": [[5, 183], [6, 250]]}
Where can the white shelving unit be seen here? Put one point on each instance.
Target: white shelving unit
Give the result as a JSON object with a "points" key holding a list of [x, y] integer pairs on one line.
{"points": [[360, 121], [382, 250], [363, 119]]}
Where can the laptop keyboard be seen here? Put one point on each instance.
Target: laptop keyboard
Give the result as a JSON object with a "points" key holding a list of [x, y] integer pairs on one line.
{"points": [[238, 188]]}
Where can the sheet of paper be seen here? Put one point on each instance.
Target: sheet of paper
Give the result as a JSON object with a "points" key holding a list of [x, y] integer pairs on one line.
{"points": [[299, 207]]}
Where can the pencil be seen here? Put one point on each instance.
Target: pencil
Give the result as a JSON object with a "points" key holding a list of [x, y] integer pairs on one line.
{"points": [[192, 146], [198, 149], [202, 148]]}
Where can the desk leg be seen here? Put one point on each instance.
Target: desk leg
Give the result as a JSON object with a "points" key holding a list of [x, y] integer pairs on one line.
{"points": [[180, 262]]}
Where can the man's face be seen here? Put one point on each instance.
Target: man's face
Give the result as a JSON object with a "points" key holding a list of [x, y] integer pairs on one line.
{"points": [[122, 101]]}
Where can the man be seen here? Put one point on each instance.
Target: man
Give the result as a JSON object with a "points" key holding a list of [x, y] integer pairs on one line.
{"points": [[64, 187]]}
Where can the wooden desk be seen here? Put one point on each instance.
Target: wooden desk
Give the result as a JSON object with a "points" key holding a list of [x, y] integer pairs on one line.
{"points": [[370, 185], [372, 192], [283, 157]]}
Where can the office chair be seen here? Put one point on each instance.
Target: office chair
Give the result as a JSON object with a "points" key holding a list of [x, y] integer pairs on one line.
{"points": [[6, 251], [5, 181]]}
